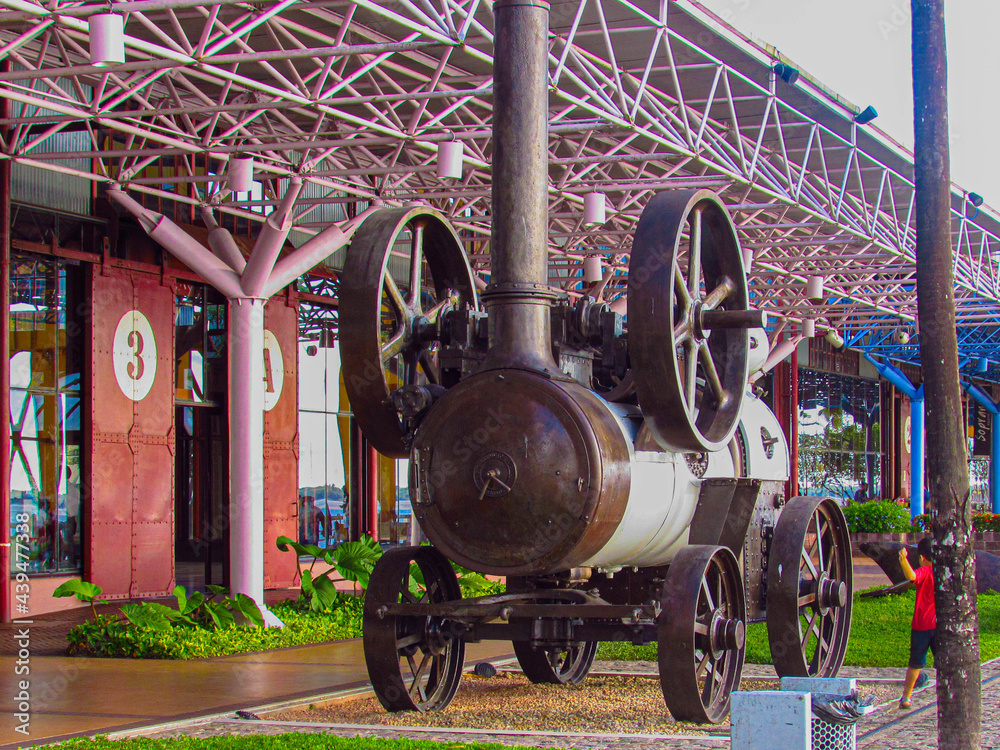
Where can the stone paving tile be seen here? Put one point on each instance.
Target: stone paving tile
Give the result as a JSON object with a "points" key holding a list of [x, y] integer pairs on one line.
{"points": [[886, 729]]}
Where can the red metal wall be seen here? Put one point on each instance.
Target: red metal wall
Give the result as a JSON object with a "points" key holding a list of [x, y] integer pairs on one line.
{"points": [[131, 448], [281, 447]]}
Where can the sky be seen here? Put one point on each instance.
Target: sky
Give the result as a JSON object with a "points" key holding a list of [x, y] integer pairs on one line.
{"points": [[861, 50]]}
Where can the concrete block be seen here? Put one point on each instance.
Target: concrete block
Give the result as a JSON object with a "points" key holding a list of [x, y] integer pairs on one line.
{"points": [[769, 719], [829, 685]]}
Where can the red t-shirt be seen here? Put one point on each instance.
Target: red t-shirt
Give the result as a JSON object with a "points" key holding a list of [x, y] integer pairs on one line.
{"points": [[924, 616]]}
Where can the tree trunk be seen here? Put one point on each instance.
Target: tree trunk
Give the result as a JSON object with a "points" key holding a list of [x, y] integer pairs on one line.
{"points": [[957, 658]]}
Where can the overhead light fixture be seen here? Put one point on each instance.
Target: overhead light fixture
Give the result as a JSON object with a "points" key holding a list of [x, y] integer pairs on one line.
{"points": [[834, 339], [808, 328], [747, 259], [901, 336], [786, 72], [595, 210], [976, 200], [240, 174], [593, 271], [814, 288], [866, 115], [450, 160], [982, 365], [107, 39]]}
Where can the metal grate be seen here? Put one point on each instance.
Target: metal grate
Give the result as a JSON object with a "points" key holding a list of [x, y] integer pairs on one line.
{"points": [[829, 736]]}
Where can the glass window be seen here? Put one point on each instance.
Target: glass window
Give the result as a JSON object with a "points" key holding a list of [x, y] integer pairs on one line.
{"points": [[839, 436], [46, 352], [324, 431], [200, 349]]}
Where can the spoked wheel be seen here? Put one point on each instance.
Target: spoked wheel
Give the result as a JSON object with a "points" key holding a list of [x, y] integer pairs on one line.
{"points": [[809, 588], [405, 269], [687, 294], [701, 633], [559, 666], [414, 663]]}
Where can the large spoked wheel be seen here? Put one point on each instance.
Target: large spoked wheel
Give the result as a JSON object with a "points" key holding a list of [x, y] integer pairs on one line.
{"points": [[405, 268], [687, 295], [701, 633], [558, 666], [414, 663], [809, 588]]}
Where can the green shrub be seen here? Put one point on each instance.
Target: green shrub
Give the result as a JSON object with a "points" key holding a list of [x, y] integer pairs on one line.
{"points": [[986, 521], [881, 517], [110, 637]]}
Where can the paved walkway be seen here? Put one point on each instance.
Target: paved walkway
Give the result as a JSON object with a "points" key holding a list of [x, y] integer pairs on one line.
{"points": [[71, 696], [888, 728]]}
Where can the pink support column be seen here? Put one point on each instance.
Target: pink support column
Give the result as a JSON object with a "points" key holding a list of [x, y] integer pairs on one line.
{"points": [[247, 286], [246, 449]]}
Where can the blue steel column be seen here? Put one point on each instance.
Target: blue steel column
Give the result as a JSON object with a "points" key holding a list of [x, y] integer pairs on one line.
{"points": [[993, 408], [917, 453], [995, 463], [916, 395]]}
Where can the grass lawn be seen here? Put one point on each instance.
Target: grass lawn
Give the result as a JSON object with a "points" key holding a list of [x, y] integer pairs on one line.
{"points": [[880, 634], [291, 741]]}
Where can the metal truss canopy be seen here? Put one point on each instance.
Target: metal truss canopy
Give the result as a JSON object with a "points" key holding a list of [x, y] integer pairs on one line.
{"points": [[354, 96]]}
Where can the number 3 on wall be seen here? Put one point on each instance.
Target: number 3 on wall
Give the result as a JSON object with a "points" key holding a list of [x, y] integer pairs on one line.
{"points": [[134, 352]]}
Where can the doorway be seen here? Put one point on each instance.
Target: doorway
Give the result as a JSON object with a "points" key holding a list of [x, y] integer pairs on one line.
{"points": [[202, 498]]}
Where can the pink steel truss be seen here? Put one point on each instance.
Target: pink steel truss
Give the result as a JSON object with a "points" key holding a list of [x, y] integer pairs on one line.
{"points": [[353, 96]]}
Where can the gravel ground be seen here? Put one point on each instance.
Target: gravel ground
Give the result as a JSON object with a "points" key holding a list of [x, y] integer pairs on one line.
{"points": [[630, 704]]}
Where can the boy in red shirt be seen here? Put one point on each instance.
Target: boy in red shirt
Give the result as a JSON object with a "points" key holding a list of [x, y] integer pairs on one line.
{"points": [[924, 627]]}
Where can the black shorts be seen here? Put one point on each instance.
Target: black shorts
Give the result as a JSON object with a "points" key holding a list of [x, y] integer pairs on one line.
{"points": [[920, 641]]}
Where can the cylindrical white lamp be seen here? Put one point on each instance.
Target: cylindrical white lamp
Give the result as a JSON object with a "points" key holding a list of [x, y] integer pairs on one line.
{"points": [[808, 328], [450, 159], [814, 288], [107, 39], [747, 259], [594, 209], [592, 271], [240, 174]]}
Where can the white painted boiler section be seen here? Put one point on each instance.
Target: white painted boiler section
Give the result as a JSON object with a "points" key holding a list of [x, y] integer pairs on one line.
{"points": [[664, 491]]}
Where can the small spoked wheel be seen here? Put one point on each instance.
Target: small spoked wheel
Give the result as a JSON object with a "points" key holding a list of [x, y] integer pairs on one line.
{"points": [[701, 633], [688, 320], [405, 269], [555, 665], [809, 588], [414, 662]]}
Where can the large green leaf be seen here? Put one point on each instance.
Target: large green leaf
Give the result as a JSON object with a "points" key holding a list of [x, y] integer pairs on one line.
{"points": [[193, 603], [356, 560], [324, 593], [82, 590], [285, 543], [248, 608], [150, 615], [180, 594], [307, 583]]}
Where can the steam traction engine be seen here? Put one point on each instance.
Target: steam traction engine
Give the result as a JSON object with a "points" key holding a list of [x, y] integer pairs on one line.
{"points": [[621, 477]]}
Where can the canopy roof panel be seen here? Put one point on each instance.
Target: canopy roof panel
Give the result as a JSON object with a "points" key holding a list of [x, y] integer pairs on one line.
{"points": [[356, 95]]}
